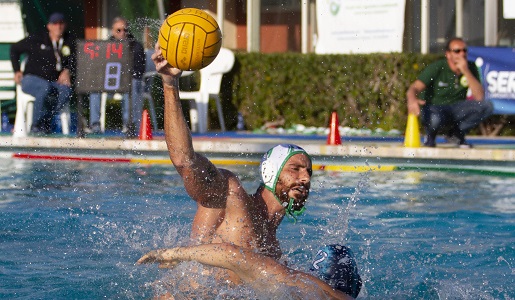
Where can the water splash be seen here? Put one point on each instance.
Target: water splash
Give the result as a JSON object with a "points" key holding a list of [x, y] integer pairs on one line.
{"points": [[502, 259], [146, 30], [338, 228]]}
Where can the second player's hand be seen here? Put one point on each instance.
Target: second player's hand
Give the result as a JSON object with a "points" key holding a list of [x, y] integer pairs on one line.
{"points": [[164, 257]]}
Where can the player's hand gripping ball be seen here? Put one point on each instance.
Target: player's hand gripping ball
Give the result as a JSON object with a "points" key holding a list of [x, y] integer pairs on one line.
{"points": [[190, 39]]}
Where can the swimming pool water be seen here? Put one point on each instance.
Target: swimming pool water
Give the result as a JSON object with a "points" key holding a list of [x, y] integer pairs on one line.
{"points": [[72, 230]]}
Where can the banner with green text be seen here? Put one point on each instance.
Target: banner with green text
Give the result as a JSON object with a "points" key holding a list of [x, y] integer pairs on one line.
{"points": [[356, 26]]}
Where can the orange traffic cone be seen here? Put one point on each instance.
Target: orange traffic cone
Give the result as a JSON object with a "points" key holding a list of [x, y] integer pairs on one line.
{"points": [[334, 133], [145, 130], [412, 134]]}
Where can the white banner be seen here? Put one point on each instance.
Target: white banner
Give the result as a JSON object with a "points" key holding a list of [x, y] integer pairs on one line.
{"points": [[11, 23], [508, 9], [359, 26]]}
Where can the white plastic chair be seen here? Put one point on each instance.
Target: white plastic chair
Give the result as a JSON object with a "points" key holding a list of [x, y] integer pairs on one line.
{"points": [[24, 111], [210, 83], [7, 85]]}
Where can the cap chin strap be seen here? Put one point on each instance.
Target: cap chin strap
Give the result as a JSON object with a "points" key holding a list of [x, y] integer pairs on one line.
{"points": [[291, 212]]}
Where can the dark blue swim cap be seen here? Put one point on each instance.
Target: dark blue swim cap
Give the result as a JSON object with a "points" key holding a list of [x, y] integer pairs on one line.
{"points": [[335, 265]]}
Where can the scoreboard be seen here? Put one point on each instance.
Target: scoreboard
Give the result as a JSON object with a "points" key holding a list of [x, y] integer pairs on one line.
{"points": [[103, 66]]}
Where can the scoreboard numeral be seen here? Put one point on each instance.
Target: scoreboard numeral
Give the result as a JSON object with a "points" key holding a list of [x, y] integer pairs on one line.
{"points": [[114, 49], [113, 76]]}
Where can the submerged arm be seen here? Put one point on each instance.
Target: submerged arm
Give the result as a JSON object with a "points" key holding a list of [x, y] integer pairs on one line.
{"points": [[257, 270], [217, 255]]}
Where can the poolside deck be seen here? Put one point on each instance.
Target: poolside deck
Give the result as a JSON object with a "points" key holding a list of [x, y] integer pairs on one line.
{"points": [[248, 146]]}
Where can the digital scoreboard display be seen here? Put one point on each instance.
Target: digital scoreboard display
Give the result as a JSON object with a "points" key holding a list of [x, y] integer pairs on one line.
{"points": [[103, 66]]}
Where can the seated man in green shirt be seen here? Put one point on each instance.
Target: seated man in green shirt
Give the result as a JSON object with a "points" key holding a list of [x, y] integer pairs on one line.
{"points": [[446, 83]]}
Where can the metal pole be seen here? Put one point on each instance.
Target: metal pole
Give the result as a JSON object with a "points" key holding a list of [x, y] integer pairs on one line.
{"points": [[220, 14], [253, 25], [80, 116], [104, 31], [459, 18], [304, 25], [424, 27], [491, 22], [313, 22], [161, 9]]}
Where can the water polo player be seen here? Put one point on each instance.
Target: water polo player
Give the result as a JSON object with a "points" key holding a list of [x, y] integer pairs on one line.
{"points": [[226, 213]]}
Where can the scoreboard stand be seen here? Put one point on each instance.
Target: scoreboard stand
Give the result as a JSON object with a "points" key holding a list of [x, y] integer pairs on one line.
{"points": [[103, 67]]}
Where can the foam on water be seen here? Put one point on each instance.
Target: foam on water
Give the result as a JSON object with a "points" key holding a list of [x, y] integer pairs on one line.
{"points": [[74, 230]]}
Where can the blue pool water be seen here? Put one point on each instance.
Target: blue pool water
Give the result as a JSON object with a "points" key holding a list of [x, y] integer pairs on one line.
{"points": [[71, 230]]}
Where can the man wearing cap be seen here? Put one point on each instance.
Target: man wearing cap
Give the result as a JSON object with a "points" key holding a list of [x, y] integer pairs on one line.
{"points": [[48, 69], [226, 213]]}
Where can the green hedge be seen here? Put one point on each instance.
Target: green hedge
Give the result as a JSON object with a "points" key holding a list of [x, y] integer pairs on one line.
{"points": [[367, 91]]}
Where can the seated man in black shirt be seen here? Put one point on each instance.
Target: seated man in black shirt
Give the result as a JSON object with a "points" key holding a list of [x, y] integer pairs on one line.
{"points": [[48, 69]]}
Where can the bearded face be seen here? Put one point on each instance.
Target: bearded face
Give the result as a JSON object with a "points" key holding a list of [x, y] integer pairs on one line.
{"points": [[295, 181]]}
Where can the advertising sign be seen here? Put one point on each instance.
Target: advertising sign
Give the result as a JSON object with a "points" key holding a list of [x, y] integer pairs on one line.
{"points": [[497, 68], [356, 26]]}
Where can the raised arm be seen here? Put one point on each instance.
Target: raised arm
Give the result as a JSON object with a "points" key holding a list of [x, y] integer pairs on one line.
{"points": [[256, 270], [203, 181]]}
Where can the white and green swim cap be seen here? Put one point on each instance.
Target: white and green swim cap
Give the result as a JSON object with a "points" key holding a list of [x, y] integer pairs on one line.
{"points": [[273, 162]]}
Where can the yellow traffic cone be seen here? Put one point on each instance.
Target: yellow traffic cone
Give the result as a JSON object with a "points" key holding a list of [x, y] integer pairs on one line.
{"points": [[412, 135]]}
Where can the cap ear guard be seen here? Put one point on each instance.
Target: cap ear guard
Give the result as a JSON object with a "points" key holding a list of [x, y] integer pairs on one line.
{"points": [[267, 176]]}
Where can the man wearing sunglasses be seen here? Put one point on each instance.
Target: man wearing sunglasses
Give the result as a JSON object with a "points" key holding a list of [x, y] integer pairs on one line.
{"points": [[120, 32], [453, 96]]}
